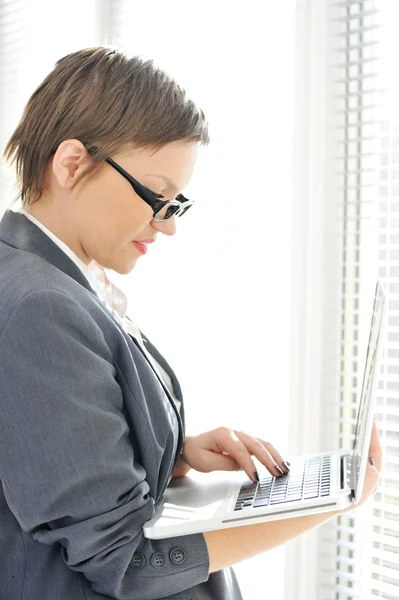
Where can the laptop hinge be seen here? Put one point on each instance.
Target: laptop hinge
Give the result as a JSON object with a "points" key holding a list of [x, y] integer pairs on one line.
{"points": [[350, 472]]}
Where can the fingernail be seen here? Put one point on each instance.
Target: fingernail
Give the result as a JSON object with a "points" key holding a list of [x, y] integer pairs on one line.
{"points": [[256, 475], [279, 470], [285, 464], [372, 461]]}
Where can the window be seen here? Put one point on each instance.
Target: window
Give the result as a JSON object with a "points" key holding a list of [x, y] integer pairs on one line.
{"points": [[33, 36], [359, 552]]}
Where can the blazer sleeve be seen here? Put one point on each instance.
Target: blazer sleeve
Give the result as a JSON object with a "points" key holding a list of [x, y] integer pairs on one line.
{"points": [[66, 461]]}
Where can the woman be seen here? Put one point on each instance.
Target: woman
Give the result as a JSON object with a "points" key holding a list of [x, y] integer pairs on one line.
{"points": [[92, 426]]}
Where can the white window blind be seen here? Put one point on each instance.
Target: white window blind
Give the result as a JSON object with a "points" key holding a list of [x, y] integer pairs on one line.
{"points": [[33, 36], [12, 50], [359, 552]]}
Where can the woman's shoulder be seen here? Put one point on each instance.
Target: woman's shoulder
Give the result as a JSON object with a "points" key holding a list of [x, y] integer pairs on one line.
{"points": [[25, 275], [20, 273]]}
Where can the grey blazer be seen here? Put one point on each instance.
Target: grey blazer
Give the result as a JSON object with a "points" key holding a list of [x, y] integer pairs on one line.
{"points": [[89, 437]]}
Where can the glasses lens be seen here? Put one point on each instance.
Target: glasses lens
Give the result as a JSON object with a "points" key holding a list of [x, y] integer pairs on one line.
{"points": [[171, 209], [167, 211], [184, 209]]}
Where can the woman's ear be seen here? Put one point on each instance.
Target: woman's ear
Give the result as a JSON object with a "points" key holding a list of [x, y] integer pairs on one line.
{"points": [[70, 160]]}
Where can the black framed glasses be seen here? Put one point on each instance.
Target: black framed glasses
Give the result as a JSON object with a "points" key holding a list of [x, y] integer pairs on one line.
{"points": [[163, 209]]}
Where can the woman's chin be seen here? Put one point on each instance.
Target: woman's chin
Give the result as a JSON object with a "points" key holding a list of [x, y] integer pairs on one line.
{"points": [[124, 269]]}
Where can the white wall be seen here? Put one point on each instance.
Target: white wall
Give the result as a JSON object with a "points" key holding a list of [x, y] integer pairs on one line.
{"points": [[220, 288]]}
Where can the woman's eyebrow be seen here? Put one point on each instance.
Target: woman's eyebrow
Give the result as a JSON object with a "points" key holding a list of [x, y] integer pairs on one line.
{"points": [[166, 179]]}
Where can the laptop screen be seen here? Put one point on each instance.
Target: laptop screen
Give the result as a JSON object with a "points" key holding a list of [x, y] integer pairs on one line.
{"points": [[365, 414]]}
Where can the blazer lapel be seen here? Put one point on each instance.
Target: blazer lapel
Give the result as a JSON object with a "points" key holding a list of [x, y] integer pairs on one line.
{"points": [[179, 416], [160, 359]]}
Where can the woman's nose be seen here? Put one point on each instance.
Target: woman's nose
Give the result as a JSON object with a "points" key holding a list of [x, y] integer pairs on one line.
{"points": [[167, 227]]}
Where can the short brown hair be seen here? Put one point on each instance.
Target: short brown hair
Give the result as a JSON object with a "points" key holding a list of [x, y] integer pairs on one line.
{"points": [[103, 98]]}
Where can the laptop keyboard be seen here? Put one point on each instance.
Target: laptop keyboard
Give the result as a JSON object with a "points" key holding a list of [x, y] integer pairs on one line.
{"points": [[306, 480]]}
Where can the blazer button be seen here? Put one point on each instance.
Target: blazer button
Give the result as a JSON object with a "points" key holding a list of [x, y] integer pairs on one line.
{"points": [[158, 560], [177, 556], [137, 560]]}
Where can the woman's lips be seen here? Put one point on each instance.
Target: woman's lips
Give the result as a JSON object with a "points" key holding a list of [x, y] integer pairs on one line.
{"points": [[141, 247]]}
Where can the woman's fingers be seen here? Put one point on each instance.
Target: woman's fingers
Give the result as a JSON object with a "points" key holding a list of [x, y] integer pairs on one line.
{"points": [[228, 441], [265, 452], [242, 447], [375, 447]]}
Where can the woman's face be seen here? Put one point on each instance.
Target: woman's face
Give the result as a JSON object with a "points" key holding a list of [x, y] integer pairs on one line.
{"points": [[100, 219]]}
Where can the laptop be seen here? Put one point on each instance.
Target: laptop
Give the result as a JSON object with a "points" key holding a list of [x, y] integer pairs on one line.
{"points": [[316, 483]]}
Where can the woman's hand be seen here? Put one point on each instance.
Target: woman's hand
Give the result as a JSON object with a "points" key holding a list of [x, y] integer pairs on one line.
{"points": [[372, 472], [224, 449], [181, 469]]}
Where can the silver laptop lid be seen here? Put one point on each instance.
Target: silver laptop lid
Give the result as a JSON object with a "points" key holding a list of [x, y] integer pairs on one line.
{"points": [[365, 415]]}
